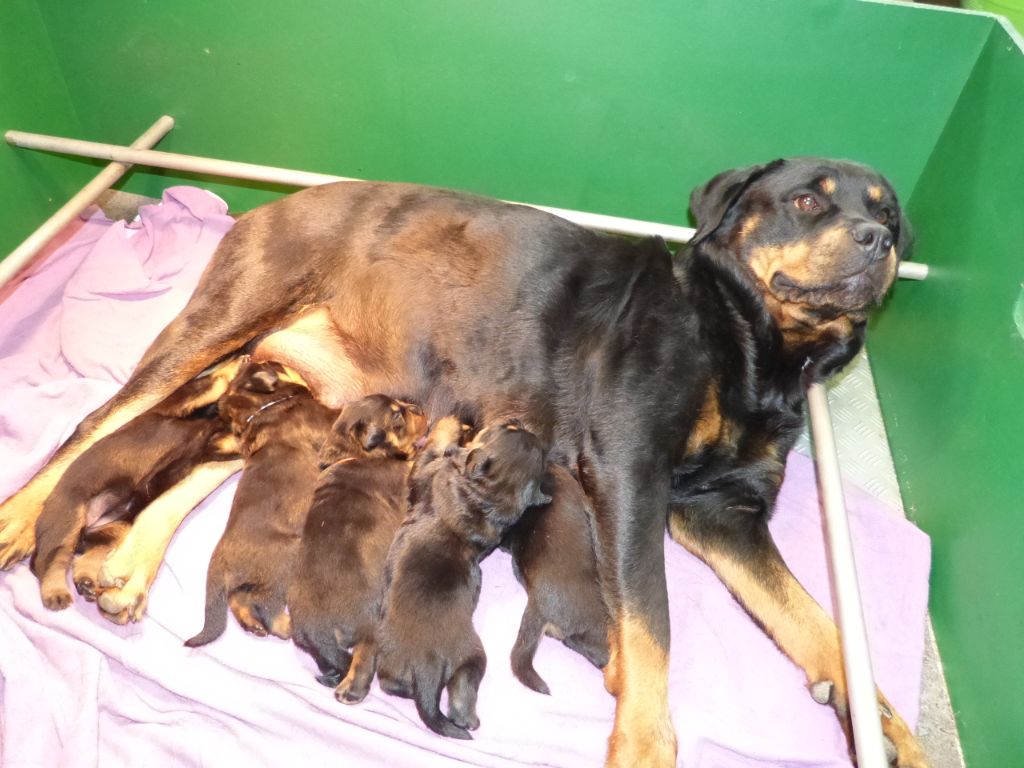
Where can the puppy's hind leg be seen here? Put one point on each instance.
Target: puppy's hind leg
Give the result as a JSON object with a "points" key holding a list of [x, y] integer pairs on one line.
{"points": [[85, 571], [531, 629], [427, 695], [356, 685], [462, 690]]}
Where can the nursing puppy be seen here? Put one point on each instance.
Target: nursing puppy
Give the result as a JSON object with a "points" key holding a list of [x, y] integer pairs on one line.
{"points": [[553, 557], [120, 474], [360, 501], [463, 501], [280, 429]]}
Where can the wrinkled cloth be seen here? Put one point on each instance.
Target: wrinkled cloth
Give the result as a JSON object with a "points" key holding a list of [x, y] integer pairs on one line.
{"points": [[80, 691]]}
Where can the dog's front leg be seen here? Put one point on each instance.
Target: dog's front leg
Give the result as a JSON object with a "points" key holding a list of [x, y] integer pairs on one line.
{"points": [[743, 554], [629, 497]]}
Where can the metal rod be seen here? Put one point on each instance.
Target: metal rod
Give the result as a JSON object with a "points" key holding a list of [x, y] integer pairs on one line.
{"points": [[860, 682], [105, 179]]}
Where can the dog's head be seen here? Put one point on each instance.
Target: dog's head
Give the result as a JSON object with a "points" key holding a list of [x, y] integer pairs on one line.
{"points": [[821, 238], [374, 426], [255, 388], [504, 466]]}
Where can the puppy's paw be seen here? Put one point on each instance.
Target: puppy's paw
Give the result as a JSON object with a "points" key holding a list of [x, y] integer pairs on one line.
{"points": [[247, 618], [350, 692], [57, 599], [468, 720], [127, 604]]}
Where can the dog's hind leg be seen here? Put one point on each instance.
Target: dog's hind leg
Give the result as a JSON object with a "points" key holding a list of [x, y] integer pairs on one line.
{"points": [[591, 645], [227, 310], [356, 685], [531, 629], [261, 610], [129, 571], [462, 690], [748, 562], [85, 571]]}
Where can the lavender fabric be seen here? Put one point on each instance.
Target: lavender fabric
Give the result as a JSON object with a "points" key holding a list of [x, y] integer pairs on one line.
{"points": [[79, 691]]}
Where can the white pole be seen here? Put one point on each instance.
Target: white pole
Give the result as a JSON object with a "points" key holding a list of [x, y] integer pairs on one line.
{"points": [[105, 179], [860, 682], [269, 174]]}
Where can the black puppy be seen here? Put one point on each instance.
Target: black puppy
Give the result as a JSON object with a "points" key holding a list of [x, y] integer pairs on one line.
{"points": [[280, 429], [360, 500], [463, 501], [552, 550], [119, 475]]}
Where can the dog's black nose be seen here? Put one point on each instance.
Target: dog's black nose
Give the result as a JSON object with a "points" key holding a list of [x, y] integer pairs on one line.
{"points": [[873, 237]]}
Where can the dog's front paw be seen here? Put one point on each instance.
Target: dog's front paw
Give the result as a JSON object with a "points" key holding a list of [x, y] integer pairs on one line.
{"points": [[902, 749], [124, 604], [85, 573], [649, 742], [54, 591]]}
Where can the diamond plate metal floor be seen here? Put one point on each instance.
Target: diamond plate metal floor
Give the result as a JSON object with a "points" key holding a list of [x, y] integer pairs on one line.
{"points": [[867, 462]]}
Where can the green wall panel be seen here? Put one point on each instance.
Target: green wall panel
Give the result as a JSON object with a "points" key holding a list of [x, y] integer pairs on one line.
{"points": [[33, 97], [607, 106], [950, 372]]}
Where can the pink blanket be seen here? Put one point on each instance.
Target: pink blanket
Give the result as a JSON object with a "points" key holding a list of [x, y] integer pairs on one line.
{"points": [[79, 691]]}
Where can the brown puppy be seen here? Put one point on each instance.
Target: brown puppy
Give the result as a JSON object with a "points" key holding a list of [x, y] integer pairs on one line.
{"points": [[119, 475], [552, 550], [360, 500], [463, 501], [280, 428]]}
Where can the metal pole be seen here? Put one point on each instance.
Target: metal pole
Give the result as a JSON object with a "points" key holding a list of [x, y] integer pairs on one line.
{"points": [[860, 682], [105, 179]]}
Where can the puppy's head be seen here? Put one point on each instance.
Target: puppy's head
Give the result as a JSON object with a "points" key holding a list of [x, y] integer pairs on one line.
{"points": [[822, 238], [375, 426], [256, 387], [504, 467]]}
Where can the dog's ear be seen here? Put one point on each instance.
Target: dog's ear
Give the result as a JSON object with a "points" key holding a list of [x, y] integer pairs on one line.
{"points": [[533, 496], [478, 463], [263, 381], [905, 237], [712, 202]]}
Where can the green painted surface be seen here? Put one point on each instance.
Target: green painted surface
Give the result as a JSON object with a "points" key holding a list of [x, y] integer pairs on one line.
{"points": [[622, 108], [33, 97], [949, 364], [615, 107]]}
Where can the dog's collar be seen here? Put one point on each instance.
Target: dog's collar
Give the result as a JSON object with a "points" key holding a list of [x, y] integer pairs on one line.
{"points": [[264, 407]]}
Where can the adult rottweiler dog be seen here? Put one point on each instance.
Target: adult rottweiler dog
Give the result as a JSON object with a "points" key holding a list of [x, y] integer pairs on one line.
{"points": [[462, 501], [359, 502], [280, 429], [658, 376]]}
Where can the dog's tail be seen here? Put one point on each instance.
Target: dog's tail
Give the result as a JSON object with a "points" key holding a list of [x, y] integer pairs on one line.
{"points": [[427, 695], [216, 606], [531, 629]]}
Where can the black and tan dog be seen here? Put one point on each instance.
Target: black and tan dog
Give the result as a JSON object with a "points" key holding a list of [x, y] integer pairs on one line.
{"points": [[360, 500], [552, 548], [651, 373], [122, 473], [462, 503], [280, 430]]}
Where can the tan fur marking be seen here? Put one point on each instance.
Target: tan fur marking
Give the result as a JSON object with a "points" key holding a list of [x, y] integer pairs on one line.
{"points": [[313, 348], [709, 427], [643, 734], [129, 570], [875, 193], [828, 185]]}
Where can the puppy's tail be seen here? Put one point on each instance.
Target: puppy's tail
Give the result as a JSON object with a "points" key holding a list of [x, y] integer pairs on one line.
{"points": [[216, 606], [531, 629], [427, 695]]}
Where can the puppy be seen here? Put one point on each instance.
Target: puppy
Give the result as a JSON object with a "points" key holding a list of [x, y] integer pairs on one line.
{"points": [[280, 429], [462, 502], [359, 503], [552, 550], [120, 474]]}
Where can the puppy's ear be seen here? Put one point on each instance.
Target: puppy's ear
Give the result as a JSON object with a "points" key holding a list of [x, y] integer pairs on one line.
{"points": [[904, 238], [478, 463], [264, 381], [533, 496], [713, 202]]}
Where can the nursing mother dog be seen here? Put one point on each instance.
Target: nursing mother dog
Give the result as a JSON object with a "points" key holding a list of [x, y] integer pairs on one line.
{"points": [[671, 385]]}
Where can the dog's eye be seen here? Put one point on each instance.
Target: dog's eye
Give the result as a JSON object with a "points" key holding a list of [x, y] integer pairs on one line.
{"points": [[884, 216], [807, 203]]}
